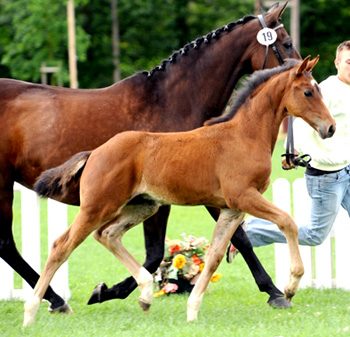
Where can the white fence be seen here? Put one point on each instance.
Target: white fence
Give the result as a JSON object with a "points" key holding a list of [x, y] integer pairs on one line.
{"points": [[31, 245], [326, 265]]}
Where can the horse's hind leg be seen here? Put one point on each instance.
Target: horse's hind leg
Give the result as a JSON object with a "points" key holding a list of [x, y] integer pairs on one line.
{"points": [[263, 280], [10, 254], [154, 231], [110, 236], [61, 250], [227, 223]]}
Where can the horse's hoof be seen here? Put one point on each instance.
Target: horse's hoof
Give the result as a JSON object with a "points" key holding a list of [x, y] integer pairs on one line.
{"points": [[144, 306], [289, 295], [96, 294], [63, 309], [280, 303]]}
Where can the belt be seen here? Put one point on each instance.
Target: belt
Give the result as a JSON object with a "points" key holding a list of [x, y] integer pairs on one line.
{"points": [[311, 171]]}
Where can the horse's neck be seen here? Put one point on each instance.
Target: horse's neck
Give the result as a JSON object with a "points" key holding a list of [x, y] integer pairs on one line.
{"points": [[263, 114], [203, 80]]}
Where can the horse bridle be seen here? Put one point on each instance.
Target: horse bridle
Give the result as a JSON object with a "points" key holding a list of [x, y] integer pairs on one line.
{"points": [[273, 45], [291, 157]]}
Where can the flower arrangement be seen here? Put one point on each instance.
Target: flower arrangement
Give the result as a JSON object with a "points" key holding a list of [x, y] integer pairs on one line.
{"points": [[182, 264]]}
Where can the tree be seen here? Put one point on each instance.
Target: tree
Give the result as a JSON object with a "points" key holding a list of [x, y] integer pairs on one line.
{"points": [[323, 25], [38, 35]]}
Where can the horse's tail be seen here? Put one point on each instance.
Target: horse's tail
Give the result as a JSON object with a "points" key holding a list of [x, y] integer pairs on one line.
{"points": [[62, 180]]}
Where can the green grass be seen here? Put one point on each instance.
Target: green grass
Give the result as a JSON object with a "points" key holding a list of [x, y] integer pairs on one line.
{"points": [[231, 307]]}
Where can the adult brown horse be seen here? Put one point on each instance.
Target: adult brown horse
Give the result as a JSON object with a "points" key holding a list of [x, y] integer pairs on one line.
{"points": [[127, 179], [42, 126]]}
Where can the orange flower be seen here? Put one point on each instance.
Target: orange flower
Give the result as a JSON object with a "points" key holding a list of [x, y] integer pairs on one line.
{"points": [[201, 267], [196, 259], [174, 248]]}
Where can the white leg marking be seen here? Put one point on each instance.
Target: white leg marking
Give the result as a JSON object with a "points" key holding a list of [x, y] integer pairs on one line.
{"points": [[31, 307], [145, 282]]}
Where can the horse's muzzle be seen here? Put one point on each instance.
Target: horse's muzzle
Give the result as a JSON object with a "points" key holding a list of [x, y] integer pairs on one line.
{"points": [[331, 131], [327, 131]]}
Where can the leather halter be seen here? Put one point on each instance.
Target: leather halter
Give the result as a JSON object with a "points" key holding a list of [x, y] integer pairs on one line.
{"points": [[273, 45]]}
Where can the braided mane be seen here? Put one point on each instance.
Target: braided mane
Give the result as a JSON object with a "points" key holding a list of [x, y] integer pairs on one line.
{"points": [[197, 43]]}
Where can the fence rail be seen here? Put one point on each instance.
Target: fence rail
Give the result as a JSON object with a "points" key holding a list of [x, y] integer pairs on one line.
{"points": [[326, 265], [31, 245]]}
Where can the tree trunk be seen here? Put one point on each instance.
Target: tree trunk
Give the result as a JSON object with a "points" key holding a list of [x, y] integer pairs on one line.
{"points": [[258, 7], [73, 73], [115, 40]]}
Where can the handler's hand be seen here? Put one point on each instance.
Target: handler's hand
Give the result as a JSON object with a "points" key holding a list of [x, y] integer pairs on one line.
{"points": [[286, 166], [290, 166]]}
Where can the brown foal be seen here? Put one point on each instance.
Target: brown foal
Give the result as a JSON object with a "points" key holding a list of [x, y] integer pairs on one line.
{"points": [[125, 180]]}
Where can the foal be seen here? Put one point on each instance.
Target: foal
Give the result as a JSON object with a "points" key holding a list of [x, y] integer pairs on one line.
{"points": [[125, 180]]}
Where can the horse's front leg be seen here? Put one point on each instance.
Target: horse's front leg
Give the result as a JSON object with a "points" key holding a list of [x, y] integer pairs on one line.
{"points": [[227, 223], [154, 232], [10, 254], [253, 203], [263, 280], [61, 250]]}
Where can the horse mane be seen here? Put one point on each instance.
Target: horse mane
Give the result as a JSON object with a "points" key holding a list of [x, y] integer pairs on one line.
{"points": [[195, 44], [249, 85]]}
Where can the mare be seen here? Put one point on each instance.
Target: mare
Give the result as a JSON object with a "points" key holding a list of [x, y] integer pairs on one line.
{"points": [[42, 126], [127, 179]]}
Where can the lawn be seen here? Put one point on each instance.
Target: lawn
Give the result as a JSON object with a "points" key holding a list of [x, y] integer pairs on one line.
{"points": [[231, 307]]}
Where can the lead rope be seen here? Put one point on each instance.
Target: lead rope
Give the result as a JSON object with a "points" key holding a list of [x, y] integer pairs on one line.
{"points": [[291, 157]]}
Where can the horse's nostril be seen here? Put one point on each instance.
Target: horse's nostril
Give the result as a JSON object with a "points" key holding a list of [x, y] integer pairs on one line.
{"points": [[331, 131]]}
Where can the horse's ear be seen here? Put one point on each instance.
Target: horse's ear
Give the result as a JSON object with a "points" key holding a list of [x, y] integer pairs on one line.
{"points": [[273, 7], [303, 65], [311, 64], [277, 10]]}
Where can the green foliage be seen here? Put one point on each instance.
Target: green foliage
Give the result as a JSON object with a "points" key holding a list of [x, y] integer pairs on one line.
{"points": [[150, 31], [323, 25], [38, 31], [34, 32]]}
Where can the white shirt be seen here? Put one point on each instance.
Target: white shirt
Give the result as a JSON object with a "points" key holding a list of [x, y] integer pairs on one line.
{"points": [[332, 153]]}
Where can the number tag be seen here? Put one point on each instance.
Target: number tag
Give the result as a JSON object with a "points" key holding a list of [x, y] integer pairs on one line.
{"points": [[266, 36]]}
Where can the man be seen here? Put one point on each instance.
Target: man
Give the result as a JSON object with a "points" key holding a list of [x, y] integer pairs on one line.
{"points": [[328, 174]]}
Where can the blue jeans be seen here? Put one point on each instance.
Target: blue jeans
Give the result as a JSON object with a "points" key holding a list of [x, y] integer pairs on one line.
{"points": [[327, 192]]}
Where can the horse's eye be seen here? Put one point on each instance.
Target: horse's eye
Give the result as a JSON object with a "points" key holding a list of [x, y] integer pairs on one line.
{"points": [[308, 93], [288, 45]]}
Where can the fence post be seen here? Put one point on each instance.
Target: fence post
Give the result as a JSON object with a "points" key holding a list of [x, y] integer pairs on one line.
{"points": [[342, 250], [30, 212]]}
